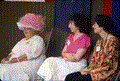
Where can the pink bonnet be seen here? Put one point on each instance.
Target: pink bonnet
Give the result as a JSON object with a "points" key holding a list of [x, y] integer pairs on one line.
{"points": [[31, 21]]}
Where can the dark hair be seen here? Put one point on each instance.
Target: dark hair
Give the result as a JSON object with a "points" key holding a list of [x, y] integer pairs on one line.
{"points": [[105, 21], [81, 21]]}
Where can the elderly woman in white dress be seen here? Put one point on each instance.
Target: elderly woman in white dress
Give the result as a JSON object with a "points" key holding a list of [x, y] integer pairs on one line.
{"points": [[74, 54], [28, 54]]}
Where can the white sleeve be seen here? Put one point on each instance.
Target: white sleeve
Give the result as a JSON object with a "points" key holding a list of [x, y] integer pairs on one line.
{"points": [[17, 47], [36, 48]]}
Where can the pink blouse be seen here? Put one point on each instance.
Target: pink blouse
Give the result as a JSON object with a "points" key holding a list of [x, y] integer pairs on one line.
{"points": [[82, 42]]}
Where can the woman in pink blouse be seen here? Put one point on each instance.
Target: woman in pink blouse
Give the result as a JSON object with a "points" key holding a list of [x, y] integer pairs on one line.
{"points": [[104, 61], [74, 53]]}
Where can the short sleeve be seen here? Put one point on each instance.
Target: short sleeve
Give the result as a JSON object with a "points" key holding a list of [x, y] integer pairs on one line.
{"points": [[17, 47], [84, 42], [88, 42]]}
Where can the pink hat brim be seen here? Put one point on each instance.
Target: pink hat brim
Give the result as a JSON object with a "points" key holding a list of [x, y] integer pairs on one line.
{"points": [[31, 21]]}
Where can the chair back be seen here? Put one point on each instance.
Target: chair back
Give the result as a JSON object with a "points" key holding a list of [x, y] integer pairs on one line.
{"points": [[46, 35]]}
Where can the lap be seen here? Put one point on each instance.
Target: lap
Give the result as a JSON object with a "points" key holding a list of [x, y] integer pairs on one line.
{"points": [[78, 77], [21, 66], [21, 70], [61, 63], [58, 68]]}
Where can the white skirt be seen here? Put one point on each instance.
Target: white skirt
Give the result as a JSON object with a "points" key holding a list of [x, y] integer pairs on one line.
{"points": [[22, 71], [54, 68]]}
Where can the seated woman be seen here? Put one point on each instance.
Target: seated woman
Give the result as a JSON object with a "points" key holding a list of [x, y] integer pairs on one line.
{"points": [[104, 60], [74, 53], [28, 54]]}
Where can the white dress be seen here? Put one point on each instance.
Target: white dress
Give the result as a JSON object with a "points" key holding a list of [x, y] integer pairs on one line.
{"points": [[56, 69], [34, 48]]}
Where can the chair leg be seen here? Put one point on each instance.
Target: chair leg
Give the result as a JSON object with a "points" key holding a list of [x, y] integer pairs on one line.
{"points": [[118, 76]]}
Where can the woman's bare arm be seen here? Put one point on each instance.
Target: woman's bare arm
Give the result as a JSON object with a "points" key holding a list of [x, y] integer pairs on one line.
{"points": [[6, 59], [23, 58], [77, 56], [19, 59], [73, 57]]}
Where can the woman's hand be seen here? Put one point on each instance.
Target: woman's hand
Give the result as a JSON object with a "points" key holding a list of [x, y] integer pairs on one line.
{"points": [[14, 60], [3, 60], [60, 57], [66, 59], [84, 72], [22, 58], [87, 70]]}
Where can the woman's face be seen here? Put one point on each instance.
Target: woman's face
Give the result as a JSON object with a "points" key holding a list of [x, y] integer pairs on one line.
{"points": [[28, 32], [72, 27], [96, 27]]}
